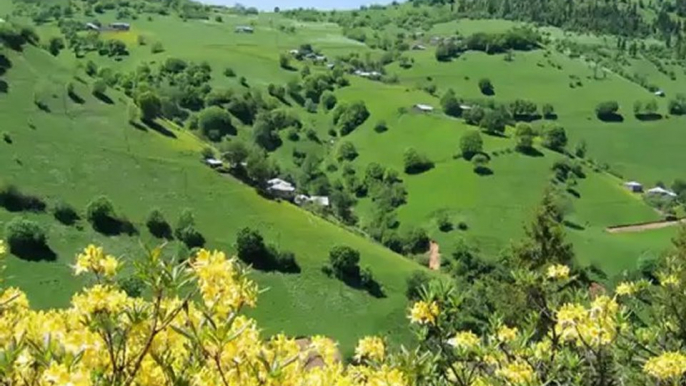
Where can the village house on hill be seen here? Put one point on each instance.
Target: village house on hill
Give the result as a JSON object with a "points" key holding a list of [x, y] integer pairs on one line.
{"points": [[281, 188], [244, 29]]}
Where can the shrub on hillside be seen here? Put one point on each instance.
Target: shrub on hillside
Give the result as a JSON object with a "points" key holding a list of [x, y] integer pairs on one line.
{"points": [[186, 232], [346, 151], [158, 225], [555, 138], [252, 250], [416, 240], [416, 163], [524, 136], [486, 86], [215, 123], [27, 240], [65, 213], [607, 111], [349, 117], [381, 127], [100, 213], [480, 162], [344, 261], [471, 144], [450, 105]]}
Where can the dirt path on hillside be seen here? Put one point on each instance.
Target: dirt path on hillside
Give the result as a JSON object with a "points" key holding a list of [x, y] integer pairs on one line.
{"points": [[434, 256], [645, 227]]}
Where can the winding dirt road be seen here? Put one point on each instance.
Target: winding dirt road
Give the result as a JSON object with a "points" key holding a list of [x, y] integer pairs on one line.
{"points": [[434, 256], [645, 227]]}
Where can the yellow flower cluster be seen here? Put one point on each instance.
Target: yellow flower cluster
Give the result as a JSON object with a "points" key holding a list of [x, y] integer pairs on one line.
{"points": [[594, 326], [626, 289], [3, 249], [558, 272], [507, 334], [670, 365], [670, 280], [107, 338], [93, 259], [424, 313], [517, 373], [370, 347], [465, 340], [223, 287]]}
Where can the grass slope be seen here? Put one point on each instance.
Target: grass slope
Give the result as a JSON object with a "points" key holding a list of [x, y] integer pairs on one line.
{"points": [[77, 152]]}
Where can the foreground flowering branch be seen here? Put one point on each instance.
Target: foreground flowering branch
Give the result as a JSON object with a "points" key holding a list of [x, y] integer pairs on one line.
{"points": [[190, 332]]}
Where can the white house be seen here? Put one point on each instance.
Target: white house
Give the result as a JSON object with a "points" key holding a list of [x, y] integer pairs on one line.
{"points": [[465, 107], [302, 199], [366, 74], [280, 188], [634, 186], [120, 26], [213, 162], [244, 29], [423, 108], [659, 93], [661, 192], [294, 52], [92, 26], [418, 47]]}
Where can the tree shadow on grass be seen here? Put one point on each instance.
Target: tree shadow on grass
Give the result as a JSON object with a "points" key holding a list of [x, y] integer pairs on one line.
{"points": [[158, 128], [483, 171], [15, 201], [649, 117], [34, 252], [103, 98], [612, 118], [109, 226], [4, 87], [373, 288], [531, 152], [573, 225], [574, 192], [550, 117], [76, 98]]}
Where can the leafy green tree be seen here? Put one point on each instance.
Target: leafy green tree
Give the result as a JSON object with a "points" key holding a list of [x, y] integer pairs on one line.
{"points": [[638, 108], [186, 232], [349, 117], [344, 261], [555, 137], [580, 149], [65, 213], [548, 111], [474, 116], [651, 107], [450, 104], [150, 105], [494, 121], [158, 225], [607, 110], [524, 136], [415, 163], [416, 240], [258, 168], [99, 87], [25, 238], [486, 86], [480, 162], [471, 144], [346, 151], [55, 45], [285, 62], [100, 213], [235, 152], [215, 123], [328, 100], [251, 247]]}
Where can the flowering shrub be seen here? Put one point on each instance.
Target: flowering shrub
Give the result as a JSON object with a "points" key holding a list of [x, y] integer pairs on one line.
{"points": [[190, 332]]}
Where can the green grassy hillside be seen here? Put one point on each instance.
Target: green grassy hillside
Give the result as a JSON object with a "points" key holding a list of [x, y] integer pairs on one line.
{"points": [[76, 152]]}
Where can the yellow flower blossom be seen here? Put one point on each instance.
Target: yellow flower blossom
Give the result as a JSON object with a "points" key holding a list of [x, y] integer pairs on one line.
{"points": [[465, 340], [669, 281], [670, 365], [541, 350], [370, 347], [626, 289], [93, 259], [558, 271], [424, 313], [3, 249], [59, 375], [507, 334], [596, 325], [100, 298], [517, 373]]}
